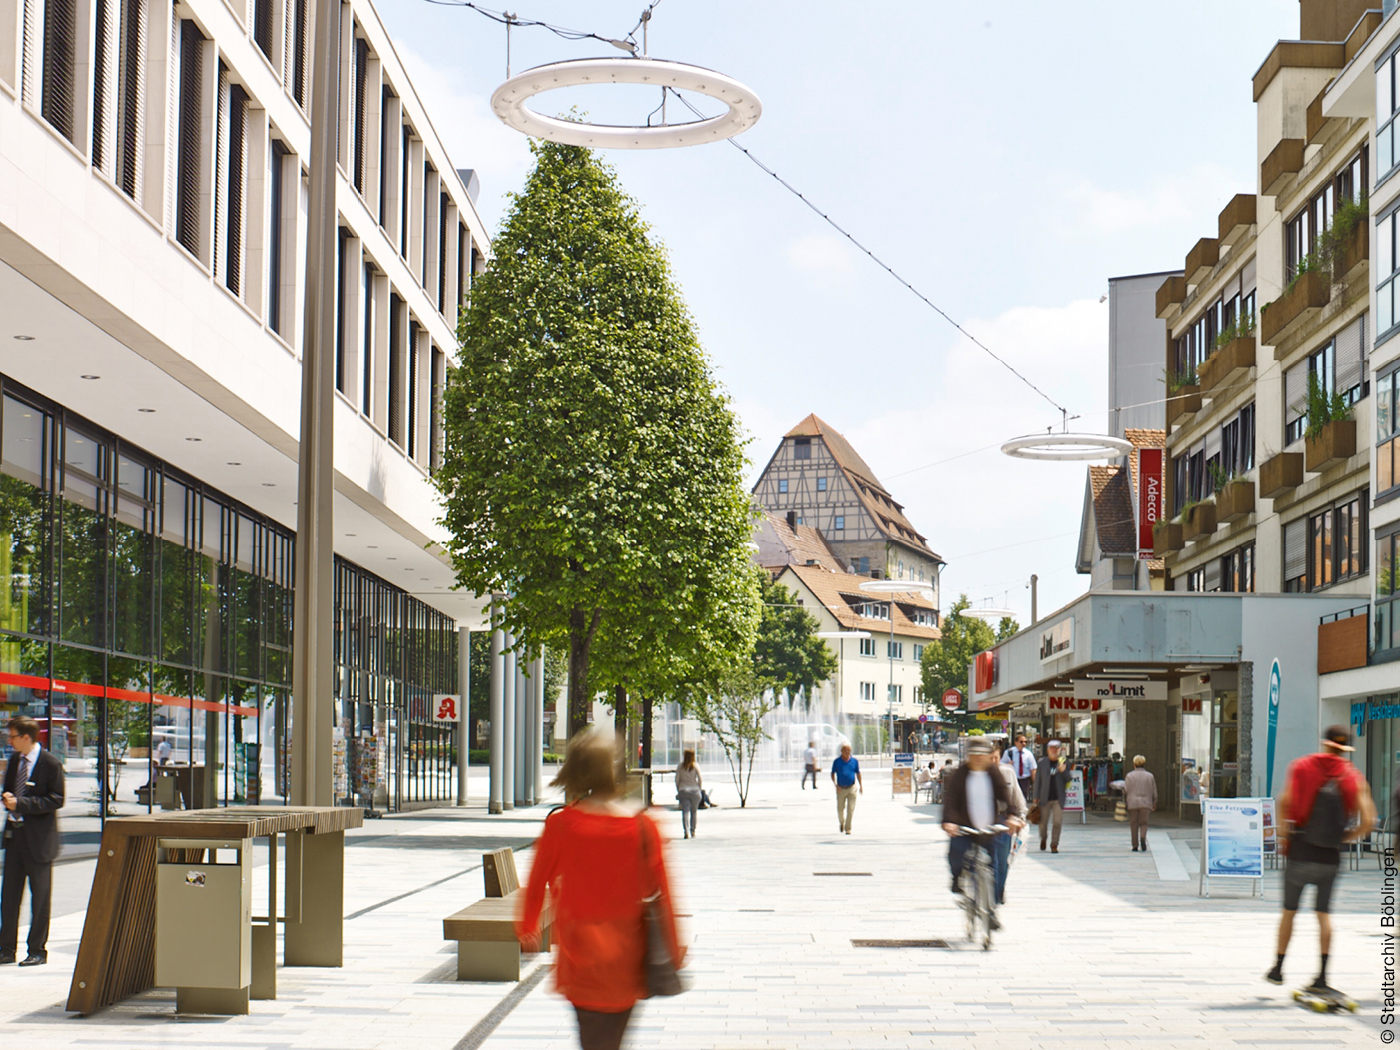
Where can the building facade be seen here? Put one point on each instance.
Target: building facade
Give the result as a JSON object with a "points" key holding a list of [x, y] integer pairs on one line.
{"points": [[153, 198]]}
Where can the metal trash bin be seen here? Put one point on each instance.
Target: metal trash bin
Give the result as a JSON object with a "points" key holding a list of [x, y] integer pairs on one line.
{"points": [[204, 923]]}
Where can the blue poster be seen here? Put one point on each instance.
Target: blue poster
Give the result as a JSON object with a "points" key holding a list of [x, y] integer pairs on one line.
{"points": [[1234, 834], [1275, 688]]}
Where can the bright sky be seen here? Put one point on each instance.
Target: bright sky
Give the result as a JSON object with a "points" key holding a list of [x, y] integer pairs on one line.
{"points": [[1006, 158]]}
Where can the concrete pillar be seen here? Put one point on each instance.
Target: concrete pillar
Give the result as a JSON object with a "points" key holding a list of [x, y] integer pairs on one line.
{"points": [[522, 730], [1145, 734], [537, 754], [508, 726], [464, 727], [498, 706]]}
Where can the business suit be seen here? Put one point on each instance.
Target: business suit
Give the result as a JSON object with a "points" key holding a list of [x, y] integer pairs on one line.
{"points": [[31, 848], [1050, 782]]}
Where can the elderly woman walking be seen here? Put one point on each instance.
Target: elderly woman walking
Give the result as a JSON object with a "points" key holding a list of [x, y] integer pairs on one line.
{"points": [[600, 861], [1140, 797]]}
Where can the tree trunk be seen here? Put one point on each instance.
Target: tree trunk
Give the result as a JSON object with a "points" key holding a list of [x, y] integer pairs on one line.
{"points": [[582, 628], [646, 733]]}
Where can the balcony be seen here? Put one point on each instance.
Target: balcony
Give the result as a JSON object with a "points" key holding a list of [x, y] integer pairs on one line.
{"points": [[1183, 402], [1299, 302], [1235, 500], [1343, 640], [1201, 259], [1318, 125], [1237, 217], [1166, 538], [1335, 443], [1170, 295], [1279, 167], [1198, 522], [1282, 473], [1354, 252], [1228, 363]]}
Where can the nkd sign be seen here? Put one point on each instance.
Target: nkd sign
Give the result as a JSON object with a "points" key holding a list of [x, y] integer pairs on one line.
{"points": [[1070, 703], [1118, 689]]}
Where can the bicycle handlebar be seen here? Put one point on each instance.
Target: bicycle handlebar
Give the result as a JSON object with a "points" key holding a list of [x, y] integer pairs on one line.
{"points": [[995, 829]]}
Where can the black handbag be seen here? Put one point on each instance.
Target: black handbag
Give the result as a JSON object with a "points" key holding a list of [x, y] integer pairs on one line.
{"points": [[662, 977]]}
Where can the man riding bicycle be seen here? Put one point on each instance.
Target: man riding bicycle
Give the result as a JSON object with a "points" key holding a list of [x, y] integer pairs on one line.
{"points": [[975, 795]]}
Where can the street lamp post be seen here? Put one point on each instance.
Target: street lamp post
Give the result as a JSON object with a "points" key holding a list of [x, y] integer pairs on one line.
{"points": [[891, 588]]}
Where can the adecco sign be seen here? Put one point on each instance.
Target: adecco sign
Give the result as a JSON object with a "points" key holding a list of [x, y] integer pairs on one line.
{"points": [[1118, 689]]}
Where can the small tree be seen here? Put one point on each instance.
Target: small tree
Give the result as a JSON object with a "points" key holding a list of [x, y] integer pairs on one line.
{"points": [[733, 708], [945, 662], [788, 655]]}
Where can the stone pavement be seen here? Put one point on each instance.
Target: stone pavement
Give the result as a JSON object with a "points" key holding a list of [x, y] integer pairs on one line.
{"points": [[1099, 947]]}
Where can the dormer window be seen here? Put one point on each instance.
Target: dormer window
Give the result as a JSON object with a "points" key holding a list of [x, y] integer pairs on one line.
{"points": [[802, 448]]}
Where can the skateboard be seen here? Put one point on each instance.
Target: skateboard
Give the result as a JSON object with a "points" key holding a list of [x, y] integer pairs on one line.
{"points": [[1324, 1002]]}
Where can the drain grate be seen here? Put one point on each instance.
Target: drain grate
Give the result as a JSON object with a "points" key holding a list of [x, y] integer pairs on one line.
{"points": [[842, 874], [885, 943]]}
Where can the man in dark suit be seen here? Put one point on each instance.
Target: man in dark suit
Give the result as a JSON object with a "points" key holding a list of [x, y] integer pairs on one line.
{"points": [[33, 796], [1051, 781]]}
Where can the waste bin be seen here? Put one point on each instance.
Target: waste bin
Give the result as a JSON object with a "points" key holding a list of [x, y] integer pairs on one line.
{"points": [[204, 923]]}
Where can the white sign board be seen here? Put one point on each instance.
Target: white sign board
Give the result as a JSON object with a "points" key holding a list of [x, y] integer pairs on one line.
{"points": [[1233, 829], [1057, 641], [447, 707], [1118, 689], [1270, 825], [1074, 792]]}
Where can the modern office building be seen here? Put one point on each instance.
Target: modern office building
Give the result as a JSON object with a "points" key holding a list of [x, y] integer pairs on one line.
{"points": [[153, 217]]}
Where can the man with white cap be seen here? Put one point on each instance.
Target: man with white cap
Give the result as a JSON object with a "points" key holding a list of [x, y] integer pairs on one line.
{"points": [[1050, 781], [1325, 804]]}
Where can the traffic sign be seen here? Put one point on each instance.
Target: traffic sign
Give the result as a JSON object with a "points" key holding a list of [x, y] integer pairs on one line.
{"points": [[923, 718], [952, 699]]}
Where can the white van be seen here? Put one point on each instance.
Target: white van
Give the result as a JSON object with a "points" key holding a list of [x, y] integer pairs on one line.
{"points": [[827, 737]]}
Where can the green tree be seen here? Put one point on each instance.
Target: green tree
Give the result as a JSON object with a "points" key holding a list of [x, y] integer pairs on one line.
{"points": [[732, 707], [946, 661], [788, 655], [592, 470]]}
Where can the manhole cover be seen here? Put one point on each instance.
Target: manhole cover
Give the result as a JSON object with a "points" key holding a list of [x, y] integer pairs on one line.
{"points": [[841, 874], [879, 943]]}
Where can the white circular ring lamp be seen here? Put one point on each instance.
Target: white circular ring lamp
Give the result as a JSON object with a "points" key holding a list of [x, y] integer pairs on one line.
{"points": [[897, 587], [990, 614], [1066, 447], [508, 103]]}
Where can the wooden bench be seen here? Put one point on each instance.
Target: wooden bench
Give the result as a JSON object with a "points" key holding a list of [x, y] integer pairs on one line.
{"points": [[487, 948]]}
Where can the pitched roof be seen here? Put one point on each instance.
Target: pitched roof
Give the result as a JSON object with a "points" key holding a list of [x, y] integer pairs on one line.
{"points": [[881, 506], [1143, 439], [781, 545], [1113, 510], [839, 593]]}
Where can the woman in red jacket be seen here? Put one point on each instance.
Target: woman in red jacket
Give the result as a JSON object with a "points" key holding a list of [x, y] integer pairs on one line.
{"points": [[598, 859]]}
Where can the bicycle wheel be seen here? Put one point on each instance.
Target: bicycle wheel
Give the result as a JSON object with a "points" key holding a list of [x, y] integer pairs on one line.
{"points": [[986, 903], [969, 904]]}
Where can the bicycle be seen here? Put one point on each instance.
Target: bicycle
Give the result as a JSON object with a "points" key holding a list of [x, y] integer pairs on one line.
{"points": [[980, 905]]}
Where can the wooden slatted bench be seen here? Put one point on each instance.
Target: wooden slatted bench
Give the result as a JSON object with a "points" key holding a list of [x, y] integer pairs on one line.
{"points": [[487, 948]]}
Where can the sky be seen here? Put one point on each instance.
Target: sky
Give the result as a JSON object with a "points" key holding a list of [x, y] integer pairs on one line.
{"points": [[1007, 159]]}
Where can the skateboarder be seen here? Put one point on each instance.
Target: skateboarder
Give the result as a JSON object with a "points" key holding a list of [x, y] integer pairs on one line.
{"points": [[1325, 804]]}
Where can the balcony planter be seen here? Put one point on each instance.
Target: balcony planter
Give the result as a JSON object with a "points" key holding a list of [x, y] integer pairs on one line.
{"points": [[1201, 259], [1303, 298], [1171, 293], [1186, 400], [1355, 251], [1237, 217], [1166, 538], [1280, 474], [1226, 363], [1334, 443], [1235, 500], [1200, 521], [1279, 167]]}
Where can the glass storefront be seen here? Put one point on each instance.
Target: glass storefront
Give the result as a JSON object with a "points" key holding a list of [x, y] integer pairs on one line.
{"points": [[145, 622], [1381, 740]]}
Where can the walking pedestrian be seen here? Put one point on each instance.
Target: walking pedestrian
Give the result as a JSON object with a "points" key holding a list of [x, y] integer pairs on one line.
{"points": [[599, 861], [811, 765], [845, 774], [689, 790], [33, 796], [1021, 759], [1140, 798], [1051, 779], [1323, 794]]}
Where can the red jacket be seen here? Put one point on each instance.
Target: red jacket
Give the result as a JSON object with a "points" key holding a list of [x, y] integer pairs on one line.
{"points": [[592, 864], [1306, 777]]}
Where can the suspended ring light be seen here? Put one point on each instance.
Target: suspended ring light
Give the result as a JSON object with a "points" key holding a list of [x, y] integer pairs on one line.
{"points": [[990, 614], [508, 103], [897, 587], [1066, 446]]}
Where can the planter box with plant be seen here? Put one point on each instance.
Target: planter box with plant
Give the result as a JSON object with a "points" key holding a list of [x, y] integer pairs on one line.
{"points": [[1330, 437], [1279, 474], [1197, 520], [1234, 499], [1307, 293], [1183, 394], [1234, 353], [1166, 538]]}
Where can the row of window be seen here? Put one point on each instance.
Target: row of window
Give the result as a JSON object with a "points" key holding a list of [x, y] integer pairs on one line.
{"points": [[1387, 631], [1387, 430], [1232, 572], [893, 650], [1337, 367], [895, 693], [783, 484], [1386, 108], [1228, 313], [1223, 453], [1301, 232], [1326, 547]]}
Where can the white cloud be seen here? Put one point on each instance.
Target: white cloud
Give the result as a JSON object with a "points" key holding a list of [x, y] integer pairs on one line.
{"points": [[821, 253], [1175, 202]]}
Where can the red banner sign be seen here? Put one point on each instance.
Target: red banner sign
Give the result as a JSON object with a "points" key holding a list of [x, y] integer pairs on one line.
{"points": [[1152, 497]]}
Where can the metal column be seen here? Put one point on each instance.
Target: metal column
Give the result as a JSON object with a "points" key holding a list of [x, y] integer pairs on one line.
{"points": [[498, 720], [464, 726], [508, 727], [522, 730], [537, 739]]}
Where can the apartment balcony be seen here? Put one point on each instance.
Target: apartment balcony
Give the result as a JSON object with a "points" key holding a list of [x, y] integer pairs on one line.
{"points": [[1318, 126], [1166, 538], [1298, 304], [1355, 253], [1185, 401], [1335, 443], [1228, 364], [1170, 295], [1198, 522], [1283, 162], [1237, 217], [1234, 501], [1279, 474], [1201, 259], [1343, 640]]}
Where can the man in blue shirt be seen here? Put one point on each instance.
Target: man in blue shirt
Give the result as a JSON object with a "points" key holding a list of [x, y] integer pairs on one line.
{"points": [[845, 774]]}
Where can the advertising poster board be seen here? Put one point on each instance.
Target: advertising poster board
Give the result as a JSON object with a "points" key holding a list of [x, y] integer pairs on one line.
{"points": [[1270, 826], [1232, 839], [1074, 792], [903, 780]]}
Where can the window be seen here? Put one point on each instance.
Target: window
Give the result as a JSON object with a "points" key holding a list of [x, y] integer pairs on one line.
{"points": [[357, 162], [1334, 546], [1237, 570], [1387, 429], [297, 66], [1337, 368], [1301, 233], [894, 650], [276, 243], [232, 158], [1387, 263], [867, 647], [918, 653], [802, 448], [341, 278], [782, 486], [59, 50], [396, 367], [872, 611], [867, 691], [1385, 113], [821, 484], [190, 142], [410, 444], [861, 565], [1295, 555], [119, 93], [263, 13], [1387, 593], [895, 692], [838, 523], [367, 353], [439, 380]]}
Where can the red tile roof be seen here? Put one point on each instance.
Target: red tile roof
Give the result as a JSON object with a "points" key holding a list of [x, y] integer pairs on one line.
{"points": [[840, 592]]}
